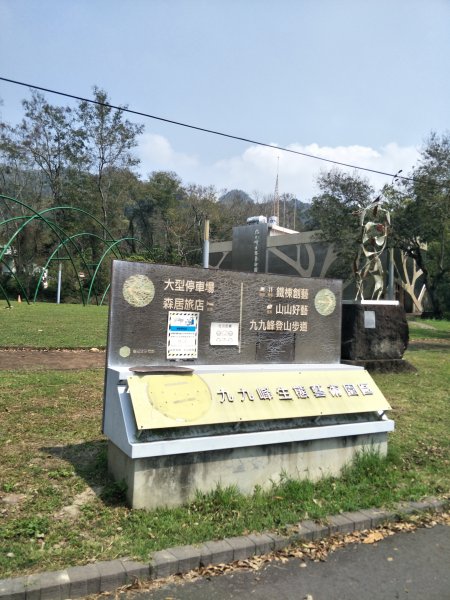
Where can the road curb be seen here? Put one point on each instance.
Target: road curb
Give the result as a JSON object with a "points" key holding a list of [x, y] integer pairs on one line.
{"points": [[107, 576]]}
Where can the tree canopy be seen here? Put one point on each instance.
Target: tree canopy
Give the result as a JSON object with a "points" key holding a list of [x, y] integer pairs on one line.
{"points": [[84, 156]]}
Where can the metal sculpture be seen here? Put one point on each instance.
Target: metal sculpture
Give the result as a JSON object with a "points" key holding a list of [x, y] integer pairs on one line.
{"points": [[368, 268]]}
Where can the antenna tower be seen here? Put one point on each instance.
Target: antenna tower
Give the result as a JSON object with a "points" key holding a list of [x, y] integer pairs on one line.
{"points": [[276, 196]]}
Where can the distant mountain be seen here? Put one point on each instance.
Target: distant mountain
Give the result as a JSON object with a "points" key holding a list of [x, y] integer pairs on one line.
{"points": [[304, 217], [236, 196]]}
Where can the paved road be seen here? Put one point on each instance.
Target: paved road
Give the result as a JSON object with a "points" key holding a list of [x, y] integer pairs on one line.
{"points": [[412, 566]]}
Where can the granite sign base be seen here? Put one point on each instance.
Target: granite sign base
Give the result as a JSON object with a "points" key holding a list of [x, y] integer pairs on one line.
{"points": [[374, 333], [168, 481]]}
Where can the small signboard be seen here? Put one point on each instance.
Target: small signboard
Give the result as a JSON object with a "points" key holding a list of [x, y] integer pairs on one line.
{"points": [[224, 334], [182, 334]]}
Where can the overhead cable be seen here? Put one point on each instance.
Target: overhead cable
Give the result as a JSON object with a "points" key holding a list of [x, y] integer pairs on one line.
{"points": [[205, 130]]}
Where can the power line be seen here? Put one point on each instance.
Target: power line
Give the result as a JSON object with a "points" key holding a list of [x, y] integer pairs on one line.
{"points": [[205, 130]]}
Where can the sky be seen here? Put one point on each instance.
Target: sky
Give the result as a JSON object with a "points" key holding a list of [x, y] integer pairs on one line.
{"points": [[363, 82]]}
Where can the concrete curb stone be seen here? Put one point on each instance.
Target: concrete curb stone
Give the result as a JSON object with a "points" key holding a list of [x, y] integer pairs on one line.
{"points": [[358, 518], [341, 524], [216, 552], [263, 543], [279, 541], [112, 574], [13, 589], [377, 516], [162, 564], [188, 557], [314, 531], [134, 570], [243, 547], [76, 582]]}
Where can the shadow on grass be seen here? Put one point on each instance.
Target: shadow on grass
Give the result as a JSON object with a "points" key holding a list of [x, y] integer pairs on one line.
{"points": [[433, 345], [90, 463]]}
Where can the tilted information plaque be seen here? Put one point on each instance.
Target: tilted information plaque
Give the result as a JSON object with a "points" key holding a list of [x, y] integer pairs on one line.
{"points": [[162, 314]]}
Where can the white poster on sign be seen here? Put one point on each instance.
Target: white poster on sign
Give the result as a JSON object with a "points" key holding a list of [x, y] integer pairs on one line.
{"points": [[224, 334], [182, 334]]}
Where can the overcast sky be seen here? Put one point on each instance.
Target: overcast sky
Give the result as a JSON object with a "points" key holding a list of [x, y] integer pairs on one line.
{"points": [[358, 81]]}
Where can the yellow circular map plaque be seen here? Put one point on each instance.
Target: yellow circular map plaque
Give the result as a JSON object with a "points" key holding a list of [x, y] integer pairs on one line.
{"points": [[179, 397], [138, 290], [325, 302]]}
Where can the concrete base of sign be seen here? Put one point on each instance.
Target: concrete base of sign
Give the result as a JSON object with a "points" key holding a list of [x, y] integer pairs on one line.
{"points": [[173, 480]]}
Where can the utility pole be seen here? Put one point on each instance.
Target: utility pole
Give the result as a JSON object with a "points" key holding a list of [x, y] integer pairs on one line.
{"points": [[206, 243]]}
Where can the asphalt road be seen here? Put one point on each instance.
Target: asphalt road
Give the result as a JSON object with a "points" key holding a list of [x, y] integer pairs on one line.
{"points": [[405, 566]]}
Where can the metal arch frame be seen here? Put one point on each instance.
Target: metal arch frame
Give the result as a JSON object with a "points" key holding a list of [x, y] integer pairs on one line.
{"points": [[54, 228], [64, 240], [63, 244]]}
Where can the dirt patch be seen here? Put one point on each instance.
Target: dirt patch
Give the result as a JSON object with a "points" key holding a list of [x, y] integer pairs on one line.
{"points": [[30, 359], [18, 359]]}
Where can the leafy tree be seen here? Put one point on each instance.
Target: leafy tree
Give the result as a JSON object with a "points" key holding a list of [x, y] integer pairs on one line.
{"points": [[45, 140], [421, 219], [107, 143], [335, 211]]}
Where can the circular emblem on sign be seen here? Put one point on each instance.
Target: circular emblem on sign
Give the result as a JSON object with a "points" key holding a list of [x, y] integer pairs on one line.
{"points": [[183, 398], [325, 302], [124, 351], [138, 290]]}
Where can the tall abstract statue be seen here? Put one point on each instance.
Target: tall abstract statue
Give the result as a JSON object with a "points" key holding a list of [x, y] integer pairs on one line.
{"points": [[367, 267]]}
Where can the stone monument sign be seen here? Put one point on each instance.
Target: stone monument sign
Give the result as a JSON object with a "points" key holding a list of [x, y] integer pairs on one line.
{"points": [[221, 377]]}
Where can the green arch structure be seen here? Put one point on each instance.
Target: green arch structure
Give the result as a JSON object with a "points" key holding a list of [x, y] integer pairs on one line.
{"points": [[66, 244]]}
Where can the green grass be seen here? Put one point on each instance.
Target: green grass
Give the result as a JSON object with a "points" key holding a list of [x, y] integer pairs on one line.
{"points": [[46, 325], [428, 329], [51, 449]]}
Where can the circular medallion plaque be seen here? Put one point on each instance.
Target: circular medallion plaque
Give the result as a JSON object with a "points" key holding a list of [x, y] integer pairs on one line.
{"points": [[138, 290], [325, 302], [182, 399]]}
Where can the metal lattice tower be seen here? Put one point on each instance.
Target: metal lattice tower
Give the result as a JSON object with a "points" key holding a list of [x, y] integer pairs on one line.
{"points": [[276, 196]]}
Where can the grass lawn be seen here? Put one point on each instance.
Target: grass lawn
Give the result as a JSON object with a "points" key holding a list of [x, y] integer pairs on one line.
{"points": [[47, 325], [52, 454]]}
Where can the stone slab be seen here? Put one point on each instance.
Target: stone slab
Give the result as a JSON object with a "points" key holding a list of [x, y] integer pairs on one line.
{"points": [[33, 586], [280, 542], [84, 580], [13, 589], [387, 339], [359, 519], [243, 547], [263, 543], [377, 516], [340, 524], [112, 575], [317, 530], [216, 552], [188, 557], [305, 531], [162, 564], [135, 571], [55, 585]]}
